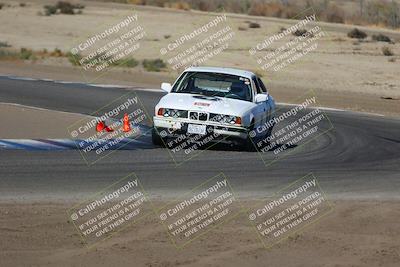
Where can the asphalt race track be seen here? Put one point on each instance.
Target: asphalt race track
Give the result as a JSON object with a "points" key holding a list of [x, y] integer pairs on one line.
{"points": [[359, 157]]}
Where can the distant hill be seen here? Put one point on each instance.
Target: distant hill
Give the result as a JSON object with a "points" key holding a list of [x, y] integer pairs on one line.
{"points": [[383, 13]]}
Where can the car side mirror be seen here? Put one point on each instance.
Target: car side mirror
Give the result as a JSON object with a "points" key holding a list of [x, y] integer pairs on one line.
{"points": [[261, 98], [167, 87]]}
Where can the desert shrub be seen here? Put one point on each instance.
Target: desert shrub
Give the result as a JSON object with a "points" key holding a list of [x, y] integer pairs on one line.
{"points": [[356, 33], [7, 54], [178, 5], [57, 53], [167, 36], [299, 32], [282, 29], [159, 3], [4, 44], [392, 59], [381, 38], [274, 9], [266, 9], [333, 14], [240, 28], [136, 2], [63, 7], [22, 4], [50, 10], [387, 51], [380, 12], [74, 59], [254, 25], [129, 63], [97, 60], [26, 54], [154, 64]]}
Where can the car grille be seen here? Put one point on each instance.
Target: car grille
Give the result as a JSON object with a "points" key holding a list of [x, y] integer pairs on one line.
{"points": [[198, 116], [216, 117]]}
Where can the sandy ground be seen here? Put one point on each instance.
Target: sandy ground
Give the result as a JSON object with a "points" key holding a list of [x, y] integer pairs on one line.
{"points": [[356, 233], [344, 72], [18, 121]]}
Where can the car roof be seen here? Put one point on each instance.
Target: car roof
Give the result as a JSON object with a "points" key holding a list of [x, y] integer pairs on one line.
{"points": [[232, 71]]}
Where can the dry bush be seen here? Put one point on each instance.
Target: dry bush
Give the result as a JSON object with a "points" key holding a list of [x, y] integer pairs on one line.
{"points": [[136, 2], [63, 7], [178, 5], [378, 12], [387, 51], [205, 5], [381, 12], [254, 25], [154, 64], [357, 34], [381, 38], [299, 32], [4, 44], [333, 14], [259, 8]]}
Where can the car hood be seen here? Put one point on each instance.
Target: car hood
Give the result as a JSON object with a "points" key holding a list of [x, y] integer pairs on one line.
{"points": [[211, 104]]}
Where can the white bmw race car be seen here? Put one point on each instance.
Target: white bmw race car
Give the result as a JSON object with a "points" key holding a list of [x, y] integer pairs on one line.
{"points": [[227, 102]]}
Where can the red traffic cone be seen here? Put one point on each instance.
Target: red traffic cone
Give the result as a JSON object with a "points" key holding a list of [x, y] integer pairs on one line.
{"points": [[127, 126], [108, 129], [100, 126]]}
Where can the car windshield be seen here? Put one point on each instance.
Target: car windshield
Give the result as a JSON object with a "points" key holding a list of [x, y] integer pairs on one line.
{"points": [[214, 84]]}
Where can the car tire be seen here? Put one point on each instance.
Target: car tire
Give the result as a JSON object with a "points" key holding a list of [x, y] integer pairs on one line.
{"points": [[247, 144], [156, 138], [268, 134]]}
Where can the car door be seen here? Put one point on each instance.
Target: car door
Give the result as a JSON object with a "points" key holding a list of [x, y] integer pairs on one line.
{"points": [[261, 109], [269, 103]]}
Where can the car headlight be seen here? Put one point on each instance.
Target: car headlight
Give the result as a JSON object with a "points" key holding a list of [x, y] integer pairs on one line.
{"points": [[234, 120], [160, 112], [227, 119]]}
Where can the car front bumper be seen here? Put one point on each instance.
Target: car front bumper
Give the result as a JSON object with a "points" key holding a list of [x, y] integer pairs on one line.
{"points": [[171, 127]]}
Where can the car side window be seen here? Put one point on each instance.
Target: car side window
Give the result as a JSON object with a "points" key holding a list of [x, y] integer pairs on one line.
{"points": [[262, 86], [258, 89]]}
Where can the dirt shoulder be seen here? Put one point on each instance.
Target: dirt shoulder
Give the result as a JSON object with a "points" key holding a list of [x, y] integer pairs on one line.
{"points": [[18, 121], [356, 233]]}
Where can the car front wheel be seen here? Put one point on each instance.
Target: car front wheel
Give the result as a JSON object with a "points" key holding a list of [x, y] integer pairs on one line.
{"points": [[249, 143]]}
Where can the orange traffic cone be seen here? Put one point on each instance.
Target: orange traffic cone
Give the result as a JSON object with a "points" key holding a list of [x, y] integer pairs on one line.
{"points": [[127, 126], [100, 126], [108, 129]]}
